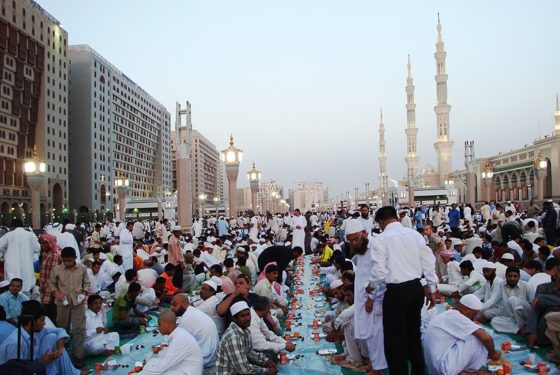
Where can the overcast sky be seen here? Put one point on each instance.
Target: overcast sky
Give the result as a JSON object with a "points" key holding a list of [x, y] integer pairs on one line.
{"points": [[300, 83]]}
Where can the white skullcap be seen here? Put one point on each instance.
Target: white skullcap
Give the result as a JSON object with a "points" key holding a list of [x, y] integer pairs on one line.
{"points": [[102, 256], [470, 257], [238, 307], [4, 283], [70, 227], [217, 280], [212, 285], [288, 243], [177, 228], [508, 256], [471, 301], [353, 226], [336, 284], [456, 241], [489, 265]]}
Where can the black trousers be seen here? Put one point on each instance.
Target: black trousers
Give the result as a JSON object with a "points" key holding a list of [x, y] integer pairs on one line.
{"points": [[401, 327], [177, 279]]}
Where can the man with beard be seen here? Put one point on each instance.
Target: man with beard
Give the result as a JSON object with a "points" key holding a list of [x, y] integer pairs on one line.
{"points": [[401, 258], [368, 307], [365, 219]]}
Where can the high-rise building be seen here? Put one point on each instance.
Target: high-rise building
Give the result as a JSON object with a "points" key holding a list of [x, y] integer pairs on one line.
{"points": [[116, 129], [207, 171], [310, 196], [33, 105], [444, 144]]}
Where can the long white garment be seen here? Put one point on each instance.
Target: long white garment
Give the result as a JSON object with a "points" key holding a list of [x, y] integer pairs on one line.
{"points": [[454, 277], [470, 284], [126, 241], [467, 213], [67, 239], [515, 307], [209, 308], [254, 230], [19, 247], [95, 343], [182, 356], [370, 325], [203, 329], [450, 346], [298, 235], [262, 338], [489, 294], [367, 223]]}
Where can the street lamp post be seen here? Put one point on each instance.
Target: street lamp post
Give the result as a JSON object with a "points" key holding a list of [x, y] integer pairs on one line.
{"points": [[254, 176], [231, 157], [34, 170], [487, 175], [216, 203], [540, 166], [201, 198], [121, 183]]}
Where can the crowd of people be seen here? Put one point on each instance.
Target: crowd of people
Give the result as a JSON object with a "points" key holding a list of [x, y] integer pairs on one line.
{"points": [[384, 269]]}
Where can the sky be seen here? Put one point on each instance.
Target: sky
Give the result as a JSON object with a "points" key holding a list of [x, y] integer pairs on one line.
{"points": [[300, 84]]}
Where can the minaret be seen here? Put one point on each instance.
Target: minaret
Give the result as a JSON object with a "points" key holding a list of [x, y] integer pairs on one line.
{"points": [[557, 117], [383, 164], [444, 144], [411, 132]]}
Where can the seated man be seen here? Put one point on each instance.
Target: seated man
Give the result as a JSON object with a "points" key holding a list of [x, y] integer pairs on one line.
{"points": [[182, 357], [48, 342], [12, 299], [264, 289], [547, 300], [126, 317], [471, 282], [169, 271], [489, 294], [209, 301], [201, 327], [98, 338], [147, 296], [454, 344], [5, 328], [515, 296], [451, 281], [236, 354], [263, 339]]}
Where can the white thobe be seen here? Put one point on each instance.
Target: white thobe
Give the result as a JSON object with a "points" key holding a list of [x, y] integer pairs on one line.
{"points": [[453, 279], [182, 357], [254, 230], [147, 277], [470, 284], [67, 239], [406, 222], [369, 325], [450, 346], [485, 212], [467, 213], [19, 247], [102, 279], [515, 307], [298, 235], [95, 343], [367, 223], [262, 338], [489, 294], [203, 329], [126, 241], [208, 307]]}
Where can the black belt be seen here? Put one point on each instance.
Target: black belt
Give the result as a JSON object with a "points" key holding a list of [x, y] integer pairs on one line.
{"points": [[403, 284]]}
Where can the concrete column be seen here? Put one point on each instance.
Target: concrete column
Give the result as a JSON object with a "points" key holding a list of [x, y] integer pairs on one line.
{"points": [[121, 193], [35, 182], [471, 188], [231, 172], [541, 174], [184, 193], [254, 188]]}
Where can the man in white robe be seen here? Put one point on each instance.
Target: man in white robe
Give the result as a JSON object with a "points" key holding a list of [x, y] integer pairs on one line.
{"points": [[209, 301], [19, 248], [253, 228], [67, 239], [453, 278], [454, 344], [368, 307], [298, 225], [262, 338], [126, 243], [98, 338], [515, 296], [181, 357], [489, 294]]}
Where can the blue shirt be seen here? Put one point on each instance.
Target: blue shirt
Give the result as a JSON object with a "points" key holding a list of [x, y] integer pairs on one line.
{"points": [[5, 330], [12, 304], [454, 216], [222, 228]]}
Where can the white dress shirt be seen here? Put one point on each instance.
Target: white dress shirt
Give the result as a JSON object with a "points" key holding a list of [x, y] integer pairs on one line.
{"points": [[402, 255], [182, 356], [203, 329], [208, 307], [262, 338]]}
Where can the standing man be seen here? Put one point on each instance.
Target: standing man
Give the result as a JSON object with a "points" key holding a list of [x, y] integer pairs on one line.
{"points": [[69, 282], [368, 307], [18, 247], [454, 217], [175, 256], [298, 227], [365, 219], [401, 259], [126, 243]]}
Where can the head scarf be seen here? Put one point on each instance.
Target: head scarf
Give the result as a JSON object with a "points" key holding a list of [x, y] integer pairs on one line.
{"points": [[51, 240], [275, 285]]}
